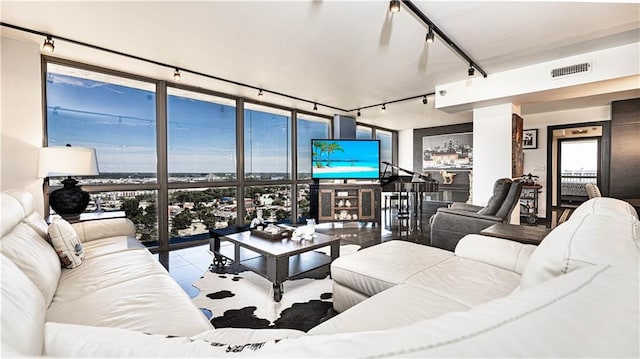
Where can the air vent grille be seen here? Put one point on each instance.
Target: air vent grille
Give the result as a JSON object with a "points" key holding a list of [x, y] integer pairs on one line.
{"points": [[571, 70]]}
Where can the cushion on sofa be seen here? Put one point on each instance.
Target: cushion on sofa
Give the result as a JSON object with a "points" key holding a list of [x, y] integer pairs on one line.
{"points": [[34, 256], [103, 228], [153, 304], [23, 312], [499, 252], [393, 262], [24, 242], [466, 281], [104, 271], [397, 306], [66, 243], [583, 241]]}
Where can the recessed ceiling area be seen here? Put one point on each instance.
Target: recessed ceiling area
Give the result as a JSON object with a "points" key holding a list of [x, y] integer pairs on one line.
{"points": [[347, 54]]}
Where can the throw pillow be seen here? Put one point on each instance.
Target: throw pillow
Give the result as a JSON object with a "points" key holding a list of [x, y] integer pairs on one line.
{"points": [[66, 243]]}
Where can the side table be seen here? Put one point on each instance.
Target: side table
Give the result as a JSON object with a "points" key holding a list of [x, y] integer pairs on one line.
{"points": [[523, 234]]}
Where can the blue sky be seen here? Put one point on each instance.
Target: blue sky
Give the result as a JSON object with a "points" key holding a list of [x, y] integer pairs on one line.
{"points": [[120, 122]]}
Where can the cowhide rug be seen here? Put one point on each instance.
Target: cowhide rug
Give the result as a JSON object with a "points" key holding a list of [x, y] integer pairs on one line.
{"points": [[238, 298]]}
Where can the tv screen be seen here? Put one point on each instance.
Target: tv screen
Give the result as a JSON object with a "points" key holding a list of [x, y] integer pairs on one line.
{"points": [[345, 159]]}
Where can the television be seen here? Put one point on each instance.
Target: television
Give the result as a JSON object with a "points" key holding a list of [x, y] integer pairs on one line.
{"points": [[345, 159]]}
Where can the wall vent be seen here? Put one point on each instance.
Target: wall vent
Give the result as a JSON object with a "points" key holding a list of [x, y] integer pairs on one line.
{"points": [[571, 70]]}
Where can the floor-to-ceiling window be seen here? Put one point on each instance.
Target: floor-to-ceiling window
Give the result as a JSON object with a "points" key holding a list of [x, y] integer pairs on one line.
{"points": [[201, 148], [117, 116], [179, 161]]}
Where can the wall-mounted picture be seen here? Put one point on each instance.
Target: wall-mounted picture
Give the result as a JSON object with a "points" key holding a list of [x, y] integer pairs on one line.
{"points": [[530, 139], [452, 151]]}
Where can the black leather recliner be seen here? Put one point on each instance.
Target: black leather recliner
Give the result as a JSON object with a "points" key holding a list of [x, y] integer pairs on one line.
{"points": [[449, 225]]}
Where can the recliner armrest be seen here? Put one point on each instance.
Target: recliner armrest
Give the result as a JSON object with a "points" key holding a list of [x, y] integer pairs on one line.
{"points": [[103, 228], [503, 253], [458, 212], [465, 207]]}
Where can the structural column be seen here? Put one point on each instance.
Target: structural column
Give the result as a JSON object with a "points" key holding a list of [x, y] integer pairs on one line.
{"points": [[492, 150]]}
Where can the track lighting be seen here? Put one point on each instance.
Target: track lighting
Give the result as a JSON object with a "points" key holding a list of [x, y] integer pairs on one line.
{"points": [[48, 44], [424, 100], [384, 107], [471, 70], [394, 6], [260, 95], [430, 35], [176, 75], [359, 114], [315, 107]]}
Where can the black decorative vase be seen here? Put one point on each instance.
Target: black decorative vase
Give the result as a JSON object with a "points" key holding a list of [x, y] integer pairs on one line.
{"points": [[69, 201]]}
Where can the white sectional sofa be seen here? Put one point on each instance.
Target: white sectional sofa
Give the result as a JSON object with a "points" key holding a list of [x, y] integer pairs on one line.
{"points": [[118, 284], [575, 295], [414, 282]]}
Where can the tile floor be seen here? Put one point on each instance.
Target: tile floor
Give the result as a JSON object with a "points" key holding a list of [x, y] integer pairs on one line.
{"points": [[187, 265]]}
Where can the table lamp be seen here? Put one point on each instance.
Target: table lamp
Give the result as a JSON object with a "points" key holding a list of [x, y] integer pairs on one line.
{"points": [[69, 201]]}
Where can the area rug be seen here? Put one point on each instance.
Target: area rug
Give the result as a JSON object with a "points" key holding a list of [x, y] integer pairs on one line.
{"points": [[238, 298]]}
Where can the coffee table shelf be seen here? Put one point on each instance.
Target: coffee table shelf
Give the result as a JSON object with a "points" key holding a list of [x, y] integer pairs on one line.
{"points": [[298, 264], [275, 260]]}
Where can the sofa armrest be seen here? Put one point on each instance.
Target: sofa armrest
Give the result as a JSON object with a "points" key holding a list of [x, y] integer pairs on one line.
{"points": [[465, 207], [503, 253], [103, 228]]}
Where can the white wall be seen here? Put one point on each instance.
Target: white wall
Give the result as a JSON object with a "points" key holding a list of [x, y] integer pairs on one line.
{"points": [[21, 118], [491, 149], [405, 149], [535, 161]]}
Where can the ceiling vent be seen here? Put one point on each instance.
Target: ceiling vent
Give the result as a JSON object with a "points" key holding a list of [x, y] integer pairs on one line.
{"points": [[571, 70]]}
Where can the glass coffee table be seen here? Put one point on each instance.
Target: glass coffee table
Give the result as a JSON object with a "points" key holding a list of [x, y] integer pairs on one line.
{"points": [[275, 259]]}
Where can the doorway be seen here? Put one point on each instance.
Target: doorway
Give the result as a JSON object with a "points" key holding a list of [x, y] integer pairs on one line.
{"points": [[578, 164], [577, 154]]}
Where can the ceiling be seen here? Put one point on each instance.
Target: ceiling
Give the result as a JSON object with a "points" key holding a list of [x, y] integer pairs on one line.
{"points": [[347, 54]]}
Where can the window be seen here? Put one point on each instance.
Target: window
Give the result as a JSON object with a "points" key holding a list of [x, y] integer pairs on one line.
{"points": [[303, 201], [274, 201], [201, 137], [309, 127], [140, 206], [267, 143], [114, 115], [193, 211], [363, 133], [385, 138], [118, 115]]}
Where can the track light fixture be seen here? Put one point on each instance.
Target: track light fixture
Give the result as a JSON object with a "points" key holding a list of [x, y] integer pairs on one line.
{"points": [[394, 6], [384, 107], [315, 107], [471, 70], [260, 95], [48, 44], [424, 100], [359, 114], [176, 75], [430, 35]]}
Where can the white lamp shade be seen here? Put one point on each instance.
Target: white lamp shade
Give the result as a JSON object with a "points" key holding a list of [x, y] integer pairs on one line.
{"points": [[68, 161]]}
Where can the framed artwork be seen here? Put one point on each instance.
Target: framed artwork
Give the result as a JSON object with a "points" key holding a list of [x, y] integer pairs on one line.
{"points": [[530, 139], [451, 151]]}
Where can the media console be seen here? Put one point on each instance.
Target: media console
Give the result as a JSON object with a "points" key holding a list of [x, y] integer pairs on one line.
{"points": [[348, 202]]}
